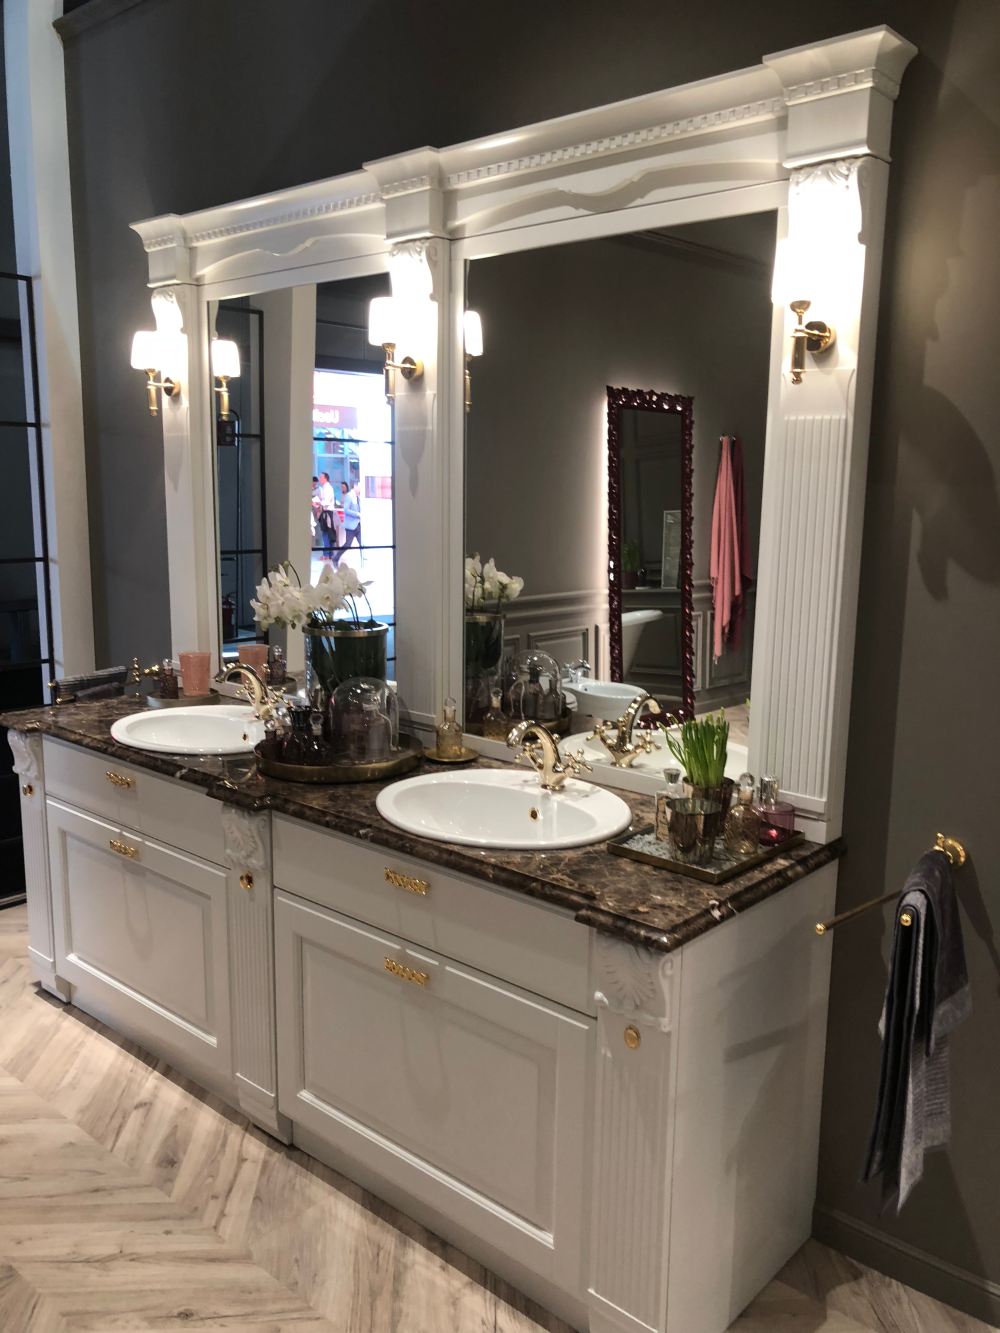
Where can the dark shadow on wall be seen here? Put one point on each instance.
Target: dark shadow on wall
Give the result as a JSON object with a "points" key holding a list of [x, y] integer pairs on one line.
{"points": [[932, 510]]}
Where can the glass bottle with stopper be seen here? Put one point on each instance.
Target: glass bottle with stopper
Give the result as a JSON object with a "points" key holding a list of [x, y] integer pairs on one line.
{"points": [[742, 832], [777, 818], [674, 788], [449, 733], [495, 721]]}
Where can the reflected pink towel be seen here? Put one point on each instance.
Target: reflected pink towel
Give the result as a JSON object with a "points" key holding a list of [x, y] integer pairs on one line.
{"points": [[727, 583]]}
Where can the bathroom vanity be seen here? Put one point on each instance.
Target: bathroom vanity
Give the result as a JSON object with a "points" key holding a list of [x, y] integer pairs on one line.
{"points": [[601, 1079]]}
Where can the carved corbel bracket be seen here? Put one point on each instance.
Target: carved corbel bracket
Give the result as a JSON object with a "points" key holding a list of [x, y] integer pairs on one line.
{"points": [[27, 752], [634, 982], [246, 840]]}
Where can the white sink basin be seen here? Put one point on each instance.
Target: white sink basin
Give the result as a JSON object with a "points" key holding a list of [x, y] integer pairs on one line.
{"points": [[604, 699], [494, 808], [205, 730]]}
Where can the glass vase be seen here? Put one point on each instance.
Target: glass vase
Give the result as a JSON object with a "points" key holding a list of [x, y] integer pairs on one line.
{"points": [[483, 651], [342, 651]]}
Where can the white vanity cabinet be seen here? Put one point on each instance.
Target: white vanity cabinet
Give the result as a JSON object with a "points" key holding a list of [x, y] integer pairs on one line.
{"points": [[627, 1134], [440, 1079]]}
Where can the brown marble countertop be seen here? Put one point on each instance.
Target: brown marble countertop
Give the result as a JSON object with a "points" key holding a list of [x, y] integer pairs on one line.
{"points": [[637, 902]]}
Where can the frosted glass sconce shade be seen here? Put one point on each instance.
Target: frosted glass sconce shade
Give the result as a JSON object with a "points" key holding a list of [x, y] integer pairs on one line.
{"points": [[383, 321], [472, 326], [225, 359], [146, 350]]}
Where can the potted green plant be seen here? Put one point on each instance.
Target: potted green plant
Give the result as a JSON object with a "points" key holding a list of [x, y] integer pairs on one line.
{"points": [[701, 747], [630, 564]]}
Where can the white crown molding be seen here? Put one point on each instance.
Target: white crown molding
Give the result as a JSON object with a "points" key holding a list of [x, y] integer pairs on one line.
{"points": [[847, 82]]}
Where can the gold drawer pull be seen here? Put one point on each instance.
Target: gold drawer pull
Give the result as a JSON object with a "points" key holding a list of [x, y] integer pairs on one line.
{"points": [[119, 779], [122, 848], [406, 973], [408, 882], [27, 790], [246, 881]]}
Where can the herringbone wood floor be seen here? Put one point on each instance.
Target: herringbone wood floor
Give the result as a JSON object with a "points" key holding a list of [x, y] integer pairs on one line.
{"points": [[131, 1200]]}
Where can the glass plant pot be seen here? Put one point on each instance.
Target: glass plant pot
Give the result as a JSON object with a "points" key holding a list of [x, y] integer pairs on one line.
{"points": [[340, 652], [483, 651]]}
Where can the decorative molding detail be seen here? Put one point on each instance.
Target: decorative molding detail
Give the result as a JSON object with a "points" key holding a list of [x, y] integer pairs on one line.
{"points": [[410, 186], [633, 981], [328, 208], [847, 82], [425, 248], [27, 752], [763, 109], [245, 837]]}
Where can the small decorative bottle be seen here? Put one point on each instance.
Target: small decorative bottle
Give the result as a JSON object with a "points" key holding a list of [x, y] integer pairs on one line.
{"points": [[742, 832], [277, 671], [674, 788], [299, 745], [449, 733], [777, 818], [495, 724], [169, 684]]}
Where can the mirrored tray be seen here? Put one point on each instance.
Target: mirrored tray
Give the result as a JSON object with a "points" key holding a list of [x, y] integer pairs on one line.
{"points": [[642, 845], [342, 770]]}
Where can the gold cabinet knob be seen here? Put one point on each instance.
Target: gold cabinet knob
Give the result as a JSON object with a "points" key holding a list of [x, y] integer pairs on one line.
{"points": [[119, 779], [633, 1038], [27, 790], [246, 881]]}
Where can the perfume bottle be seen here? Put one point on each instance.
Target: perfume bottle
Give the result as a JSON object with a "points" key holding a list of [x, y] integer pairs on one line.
{"points": [[495, 723], [673, 789], [277, 670], [777, 818], [449, 733], [169, 684], [299, 746], [742, 832]]}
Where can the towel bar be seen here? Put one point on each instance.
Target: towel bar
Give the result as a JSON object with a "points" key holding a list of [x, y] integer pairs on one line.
{"points": [[952, 849]]}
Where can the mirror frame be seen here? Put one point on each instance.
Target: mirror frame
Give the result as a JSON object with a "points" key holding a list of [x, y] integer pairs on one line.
{"points": [[806, 131], [649, 400]]}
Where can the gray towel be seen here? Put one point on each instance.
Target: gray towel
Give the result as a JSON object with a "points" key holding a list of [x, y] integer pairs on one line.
{"points": [[927, 996]]}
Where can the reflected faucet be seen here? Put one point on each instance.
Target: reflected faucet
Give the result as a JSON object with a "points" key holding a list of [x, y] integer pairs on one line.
{"points": [[624, 748], [263, 699], [542, 753]]}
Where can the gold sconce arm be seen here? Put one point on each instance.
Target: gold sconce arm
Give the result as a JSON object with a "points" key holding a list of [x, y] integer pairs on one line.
{"points": [[168, 386], [816, 336]]}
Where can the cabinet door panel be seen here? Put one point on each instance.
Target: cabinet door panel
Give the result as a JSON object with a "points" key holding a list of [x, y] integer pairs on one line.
{"points": [[467, 1091], [142, 936]]}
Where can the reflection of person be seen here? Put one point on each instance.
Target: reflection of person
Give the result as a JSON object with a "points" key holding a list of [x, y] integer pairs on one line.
{"points": [[315, 511], [328, 514], [352, 517]]}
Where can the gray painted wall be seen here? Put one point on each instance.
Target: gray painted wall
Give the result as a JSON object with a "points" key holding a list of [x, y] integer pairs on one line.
{"points": [[179, 104]]}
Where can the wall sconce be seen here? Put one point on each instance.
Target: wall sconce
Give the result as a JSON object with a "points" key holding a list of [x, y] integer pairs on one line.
{"points": [[385, 322], [225, 367], [472, 329], [154, 352], [791, 278]]}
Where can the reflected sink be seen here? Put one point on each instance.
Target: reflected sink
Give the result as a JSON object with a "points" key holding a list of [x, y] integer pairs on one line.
{"points": [[603, 699], [494, 808], [209, 729]]}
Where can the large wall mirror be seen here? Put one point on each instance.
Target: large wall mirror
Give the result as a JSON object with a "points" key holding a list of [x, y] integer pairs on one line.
{"points": [[304, 452], [677, 324]]}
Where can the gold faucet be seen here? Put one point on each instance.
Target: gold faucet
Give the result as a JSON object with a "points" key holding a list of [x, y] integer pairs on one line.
{"points": [[624, 749], [543, 754], [261, 696]]}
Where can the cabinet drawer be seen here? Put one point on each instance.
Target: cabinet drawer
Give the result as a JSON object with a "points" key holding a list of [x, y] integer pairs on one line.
{"points": [[463, 1091], [166, 810], [141, 931], [538, 947]]}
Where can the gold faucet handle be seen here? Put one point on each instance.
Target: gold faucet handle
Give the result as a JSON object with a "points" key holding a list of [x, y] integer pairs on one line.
{"points": [[601, 729], [576, 763], [646, 742]]}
